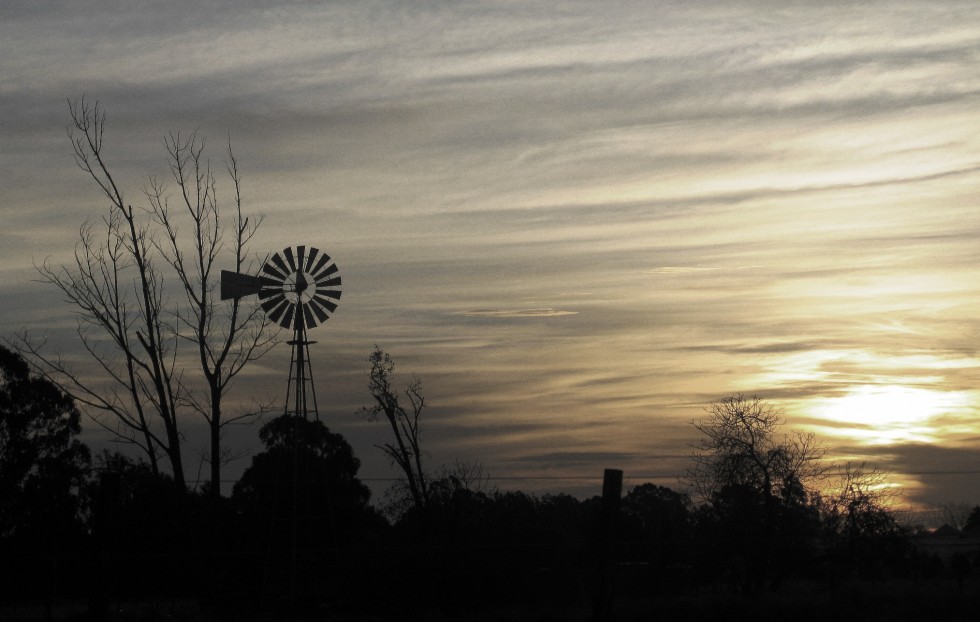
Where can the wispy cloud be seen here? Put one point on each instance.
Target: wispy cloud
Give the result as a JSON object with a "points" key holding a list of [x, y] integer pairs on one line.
{"points": [[516, 313], [682, 270]]}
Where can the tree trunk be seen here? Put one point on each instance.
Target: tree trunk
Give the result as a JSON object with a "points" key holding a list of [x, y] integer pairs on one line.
{"points": [[215, 425]]}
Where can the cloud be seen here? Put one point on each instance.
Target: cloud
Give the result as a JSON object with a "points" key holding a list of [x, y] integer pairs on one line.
{"points": [[934, 473], [682, 270], [516, 313], [574, 459]]}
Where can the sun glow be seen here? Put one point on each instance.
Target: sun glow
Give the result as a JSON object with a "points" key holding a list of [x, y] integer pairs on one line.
{"points": [[885, 414]]}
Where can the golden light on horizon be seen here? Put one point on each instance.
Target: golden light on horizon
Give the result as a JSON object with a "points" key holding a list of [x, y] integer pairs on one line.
{"points": [[887, 414]]}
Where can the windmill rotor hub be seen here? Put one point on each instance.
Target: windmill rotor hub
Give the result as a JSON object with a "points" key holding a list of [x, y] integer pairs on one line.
{"points": [[301, 283]]}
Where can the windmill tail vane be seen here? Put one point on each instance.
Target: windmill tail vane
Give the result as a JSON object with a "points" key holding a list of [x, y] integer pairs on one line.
{"points": [[298, 288]]}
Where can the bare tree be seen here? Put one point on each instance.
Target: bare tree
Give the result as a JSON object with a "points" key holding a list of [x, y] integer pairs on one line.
{"points": [[858, 514], [739, 446], [126, 323], [857, 503], [952, 513], [470, 476], [226, 338], [758, 488], [405, 450]]}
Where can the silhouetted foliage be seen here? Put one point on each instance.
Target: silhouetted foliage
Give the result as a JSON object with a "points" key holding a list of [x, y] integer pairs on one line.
{"points": [[472, 549], [972, 524], [739, 446], [42, 471], [960, 566], [862, 531], [657, 525], [764, 518], [42, 464], [138, 521], [304, 510], [760, 514]]}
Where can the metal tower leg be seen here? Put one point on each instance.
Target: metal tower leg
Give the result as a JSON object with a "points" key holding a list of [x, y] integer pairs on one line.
{"points": [[300, 392]]}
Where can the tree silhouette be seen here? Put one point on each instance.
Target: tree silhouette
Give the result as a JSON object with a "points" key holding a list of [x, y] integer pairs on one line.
{"points": [[304, 509], [42, 472], [952, 513], [405, 448], [739, 446], [972, 524], [760, 508], [42, 464], [130, 326], [659, 522], [135, 521], [327, 461], [856, 516]]}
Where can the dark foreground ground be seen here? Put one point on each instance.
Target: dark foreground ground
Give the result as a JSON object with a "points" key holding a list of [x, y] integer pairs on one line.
{"points": [[892, 601]]}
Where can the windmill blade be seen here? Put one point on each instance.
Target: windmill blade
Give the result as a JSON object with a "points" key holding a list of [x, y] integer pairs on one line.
{"points": [[268, 293], [308, 316], [317, 307], [334, 282], [331, 293], [309, 260], [269, 305], [288, 252], [331, 269], [278, 270], [270, 269], [300, 256], [276, 259], [283, 306], [287, 320], [323, 260], [320, 300]]}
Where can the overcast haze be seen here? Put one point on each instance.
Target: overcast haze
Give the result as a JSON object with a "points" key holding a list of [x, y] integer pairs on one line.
{"points": [[577, 223]]}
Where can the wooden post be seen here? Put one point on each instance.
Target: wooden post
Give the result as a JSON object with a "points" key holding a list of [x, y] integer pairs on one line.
{"points": [[612, 489]]}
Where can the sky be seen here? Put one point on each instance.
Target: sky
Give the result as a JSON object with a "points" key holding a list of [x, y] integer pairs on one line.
{"points": [[577, 223]]}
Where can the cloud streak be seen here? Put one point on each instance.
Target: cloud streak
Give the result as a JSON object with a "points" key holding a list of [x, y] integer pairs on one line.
{"points": [[517, 313]]}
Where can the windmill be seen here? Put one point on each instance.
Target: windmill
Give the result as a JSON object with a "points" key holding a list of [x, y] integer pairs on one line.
{"points": [[299, 289]]}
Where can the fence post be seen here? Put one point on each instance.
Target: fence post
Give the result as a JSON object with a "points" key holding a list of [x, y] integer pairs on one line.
{"points": [[612, 488]]}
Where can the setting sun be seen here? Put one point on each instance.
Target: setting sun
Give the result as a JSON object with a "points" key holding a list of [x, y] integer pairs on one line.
{"points": [[889, 413]]}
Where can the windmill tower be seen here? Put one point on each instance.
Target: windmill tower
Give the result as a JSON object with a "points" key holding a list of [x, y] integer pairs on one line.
{"points": [[299, 289]]}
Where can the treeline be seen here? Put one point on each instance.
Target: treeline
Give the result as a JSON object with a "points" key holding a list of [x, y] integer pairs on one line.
{"points": [[299, 531]]}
